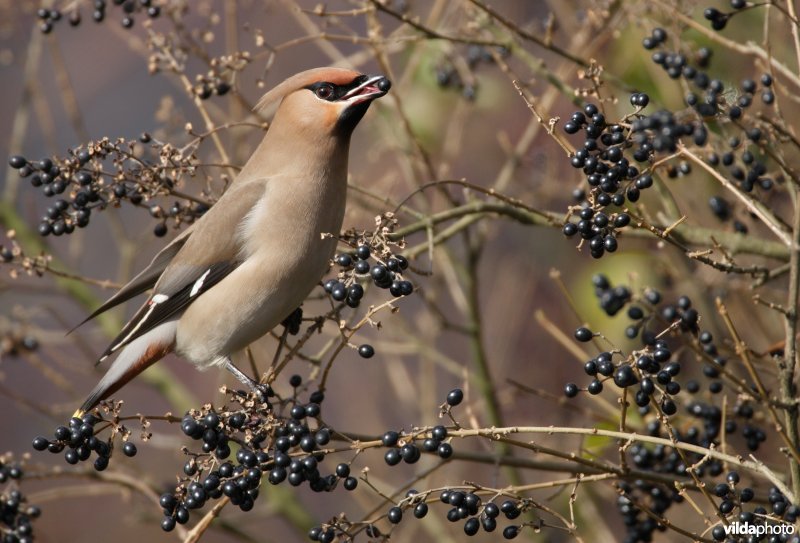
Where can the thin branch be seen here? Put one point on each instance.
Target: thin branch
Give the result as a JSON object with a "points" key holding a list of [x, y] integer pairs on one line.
{"points": [[744, 354], [433, 34], [204, 523], [749, 48], [690, 235], [789, 363], [528, 36], [755, 207]]}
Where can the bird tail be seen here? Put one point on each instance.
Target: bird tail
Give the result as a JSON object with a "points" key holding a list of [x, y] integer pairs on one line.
{"points": [[136, 357]]}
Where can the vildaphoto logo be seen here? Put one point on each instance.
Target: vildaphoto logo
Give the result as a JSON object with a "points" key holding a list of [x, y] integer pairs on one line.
{"points": [[745, 528]]}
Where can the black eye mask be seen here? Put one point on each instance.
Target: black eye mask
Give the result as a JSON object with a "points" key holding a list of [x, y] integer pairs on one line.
{"points": [[331, 93]]}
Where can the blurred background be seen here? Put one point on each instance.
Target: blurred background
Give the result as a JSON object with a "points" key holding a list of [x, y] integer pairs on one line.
{"points": [[496, 300]]}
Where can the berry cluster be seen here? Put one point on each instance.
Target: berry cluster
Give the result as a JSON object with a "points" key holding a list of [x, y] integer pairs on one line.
{"points": [[15, 335], [719, 19], [656, 498], [713, 101], [611, 299], [356, 271], [274, 438], [666, 460], [218, 80], [387, 270], [745, 164], [620, 159], [222, 71], [459, 72], [652, 371], [708, 96], [129, 8], [206, 87], [16, 517], [401, 447], [721, 208], [609, 176], [15, 514], [464, 505], [652, 367], [732, 506], [86, 188], [9, 470], [14, 340], [385, 273], [80, 440]]}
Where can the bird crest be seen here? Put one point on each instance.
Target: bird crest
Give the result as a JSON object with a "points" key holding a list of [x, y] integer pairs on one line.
{"points": [[337, 76]]}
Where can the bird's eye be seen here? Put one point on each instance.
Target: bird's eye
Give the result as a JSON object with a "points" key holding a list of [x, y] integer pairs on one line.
{"points": [[325, 92]]}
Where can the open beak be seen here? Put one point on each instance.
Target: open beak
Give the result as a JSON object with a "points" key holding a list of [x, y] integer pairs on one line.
{"points": [[374, 87]]}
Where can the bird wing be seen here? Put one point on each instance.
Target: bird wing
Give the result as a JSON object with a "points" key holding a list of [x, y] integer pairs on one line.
{"points": [[160, 307], [201, 260]]}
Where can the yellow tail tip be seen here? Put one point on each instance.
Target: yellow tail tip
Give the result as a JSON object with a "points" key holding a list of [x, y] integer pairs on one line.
{"points": [[79, 414]]}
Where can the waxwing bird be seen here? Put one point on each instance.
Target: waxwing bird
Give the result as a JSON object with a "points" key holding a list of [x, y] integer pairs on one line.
{"points": [[252, 259]]}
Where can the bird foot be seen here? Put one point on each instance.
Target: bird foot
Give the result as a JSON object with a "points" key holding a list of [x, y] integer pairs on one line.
{"points": [[260, 390]]}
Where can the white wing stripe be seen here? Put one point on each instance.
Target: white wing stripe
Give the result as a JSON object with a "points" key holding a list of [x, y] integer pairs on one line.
{"points": [[199, 284], [154, 301]]}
